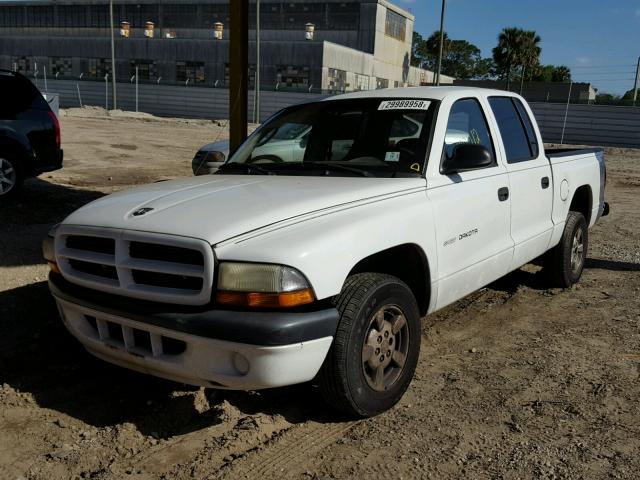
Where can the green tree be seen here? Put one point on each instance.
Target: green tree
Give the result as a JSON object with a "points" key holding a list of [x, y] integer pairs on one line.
{"points": [[529, 54], [561, 73], [517, 48], [552, 73], [509, 52], [607, 98], [418, 51], [460, 59]]}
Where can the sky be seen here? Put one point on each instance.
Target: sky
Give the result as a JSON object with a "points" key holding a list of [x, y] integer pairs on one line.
{"points": [[598, 39]]}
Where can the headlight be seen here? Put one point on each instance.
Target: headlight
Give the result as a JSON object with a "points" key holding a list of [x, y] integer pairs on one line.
{"points": [[262, 285]]}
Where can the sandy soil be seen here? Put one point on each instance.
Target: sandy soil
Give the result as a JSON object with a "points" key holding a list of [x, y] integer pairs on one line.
{"points": [[514, 381]]}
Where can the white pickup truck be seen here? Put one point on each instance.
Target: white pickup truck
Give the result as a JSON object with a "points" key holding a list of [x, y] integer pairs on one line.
{"points": [[278, 270]]}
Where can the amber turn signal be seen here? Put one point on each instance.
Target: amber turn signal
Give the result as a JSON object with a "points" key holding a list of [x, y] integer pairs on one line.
{"points": [[53, 266], [266, 300]]}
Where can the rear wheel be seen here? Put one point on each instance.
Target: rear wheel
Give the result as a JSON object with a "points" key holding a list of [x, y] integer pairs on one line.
{"points": [[565, 262], [375, 350], [10, 177]]}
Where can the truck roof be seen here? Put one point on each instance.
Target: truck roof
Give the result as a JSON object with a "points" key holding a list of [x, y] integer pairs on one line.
{"points": [[433, 93]]}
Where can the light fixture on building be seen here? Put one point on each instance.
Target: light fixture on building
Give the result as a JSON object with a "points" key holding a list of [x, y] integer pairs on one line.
{"points": [[125, 29], [170, 34], [310, 30], [148, 29], [218, 30]]}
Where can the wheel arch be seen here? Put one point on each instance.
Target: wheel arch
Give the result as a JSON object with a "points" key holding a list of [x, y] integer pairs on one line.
{"points": [[14, 143], [409, 263], [582, 202]]}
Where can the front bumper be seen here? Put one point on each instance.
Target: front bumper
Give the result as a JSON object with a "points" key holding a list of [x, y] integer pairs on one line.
{"points": [[180, 347]]}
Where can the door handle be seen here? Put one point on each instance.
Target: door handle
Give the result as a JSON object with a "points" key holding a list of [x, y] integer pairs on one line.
{"points": [[503, 194], [544, 182]]}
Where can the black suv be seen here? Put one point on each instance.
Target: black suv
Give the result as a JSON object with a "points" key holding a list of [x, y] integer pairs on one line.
{"points": [[29, 133]]}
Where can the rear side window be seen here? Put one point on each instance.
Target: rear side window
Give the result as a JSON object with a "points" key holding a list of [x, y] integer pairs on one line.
{"points": [[515, 128], [18, 94]]}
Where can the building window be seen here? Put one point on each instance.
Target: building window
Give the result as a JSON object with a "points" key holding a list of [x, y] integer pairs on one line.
{"points": [[192, 71], [61, 66], [293, 76], [98, 67], [337, 80], [23, 65], [146, 69], [252, 75], [395, 25], [382, 83], [362, 82]]}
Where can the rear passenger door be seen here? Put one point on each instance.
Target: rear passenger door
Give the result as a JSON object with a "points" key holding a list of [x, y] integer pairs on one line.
{"points": [[471, 209], [529, 177]]}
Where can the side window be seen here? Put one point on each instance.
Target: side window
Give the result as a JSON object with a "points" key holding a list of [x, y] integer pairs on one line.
{"points": [[531, 133], [467, 124], [514, 130]]}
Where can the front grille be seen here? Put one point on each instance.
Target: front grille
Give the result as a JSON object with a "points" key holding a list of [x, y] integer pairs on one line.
{"points": [[134, 340], [96, 269], [140, 265], [167, 253], [92, 244], [167, 280]]}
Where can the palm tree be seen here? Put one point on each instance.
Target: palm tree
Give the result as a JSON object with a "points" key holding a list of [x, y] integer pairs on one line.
{"points": [[561, 73], [529, 53], [508, 51]]}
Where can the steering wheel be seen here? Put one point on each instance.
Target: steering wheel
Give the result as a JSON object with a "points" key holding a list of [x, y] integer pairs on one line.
{"points": [[265, 159]]}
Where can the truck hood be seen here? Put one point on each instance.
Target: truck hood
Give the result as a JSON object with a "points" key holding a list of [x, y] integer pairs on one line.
{"points": [[215, 208]]}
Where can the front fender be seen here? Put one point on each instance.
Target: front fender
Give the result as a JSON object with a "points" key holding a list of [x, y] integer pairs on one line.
{"points": [[327, 247]]}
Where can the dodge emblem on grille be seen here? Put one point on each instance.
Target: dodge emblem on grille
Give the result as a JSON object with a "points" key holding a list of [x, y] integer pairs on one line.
{"points": [[141, 211]]}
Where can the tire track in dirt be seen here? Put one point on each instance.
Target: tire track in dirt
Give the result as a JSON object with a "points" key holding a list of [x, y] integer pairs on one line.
{"points": [[289, 450]]}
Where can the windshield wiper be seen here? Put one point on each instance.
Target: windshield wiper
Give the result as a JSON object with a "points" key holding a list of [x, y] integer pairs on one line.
{"points": [[341, 168], [246, 168]]}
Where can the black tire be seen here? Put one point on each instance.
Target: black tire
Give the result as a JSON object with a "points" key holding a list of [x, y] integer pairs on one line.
{"points": [[346, 380], [565, 262], [11, 176]]}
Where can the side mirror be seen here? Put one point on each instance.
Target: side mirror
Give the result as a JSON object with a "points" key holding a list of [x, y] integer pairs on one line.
{"points": [[467, 156], [304, 141]]}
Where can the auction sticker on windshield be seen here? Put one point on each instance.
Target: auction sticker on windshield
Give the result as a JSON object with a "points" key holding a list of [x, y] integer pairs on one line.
{"points": [[404, 105]]}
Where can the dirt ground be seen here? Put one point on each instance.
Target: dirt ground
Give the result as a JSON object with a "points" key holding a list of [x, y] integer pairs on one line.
{"points": [[514, 381]]}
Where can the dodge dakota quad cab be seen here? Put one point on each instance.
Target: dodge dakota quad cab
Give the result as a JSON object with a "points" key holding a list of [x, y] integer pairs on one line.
{"points": [[319, 265]]}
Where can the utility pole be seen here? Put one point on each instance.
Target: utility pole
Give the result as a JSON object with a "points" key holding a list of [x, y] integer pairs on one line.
{"points": [[441, 42], [113, 55], [635, 85], [256, 96], [239, 64]]}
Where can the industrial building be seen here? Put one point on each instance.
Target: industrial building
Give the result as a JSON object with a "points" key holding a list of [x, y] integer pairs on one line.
{"points": [[314, 45]]}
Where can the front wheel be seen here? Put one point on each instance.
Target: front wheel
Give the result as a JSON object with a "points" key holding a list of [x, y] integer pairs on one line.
{"points": [[376, 347], [565, 262]]}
